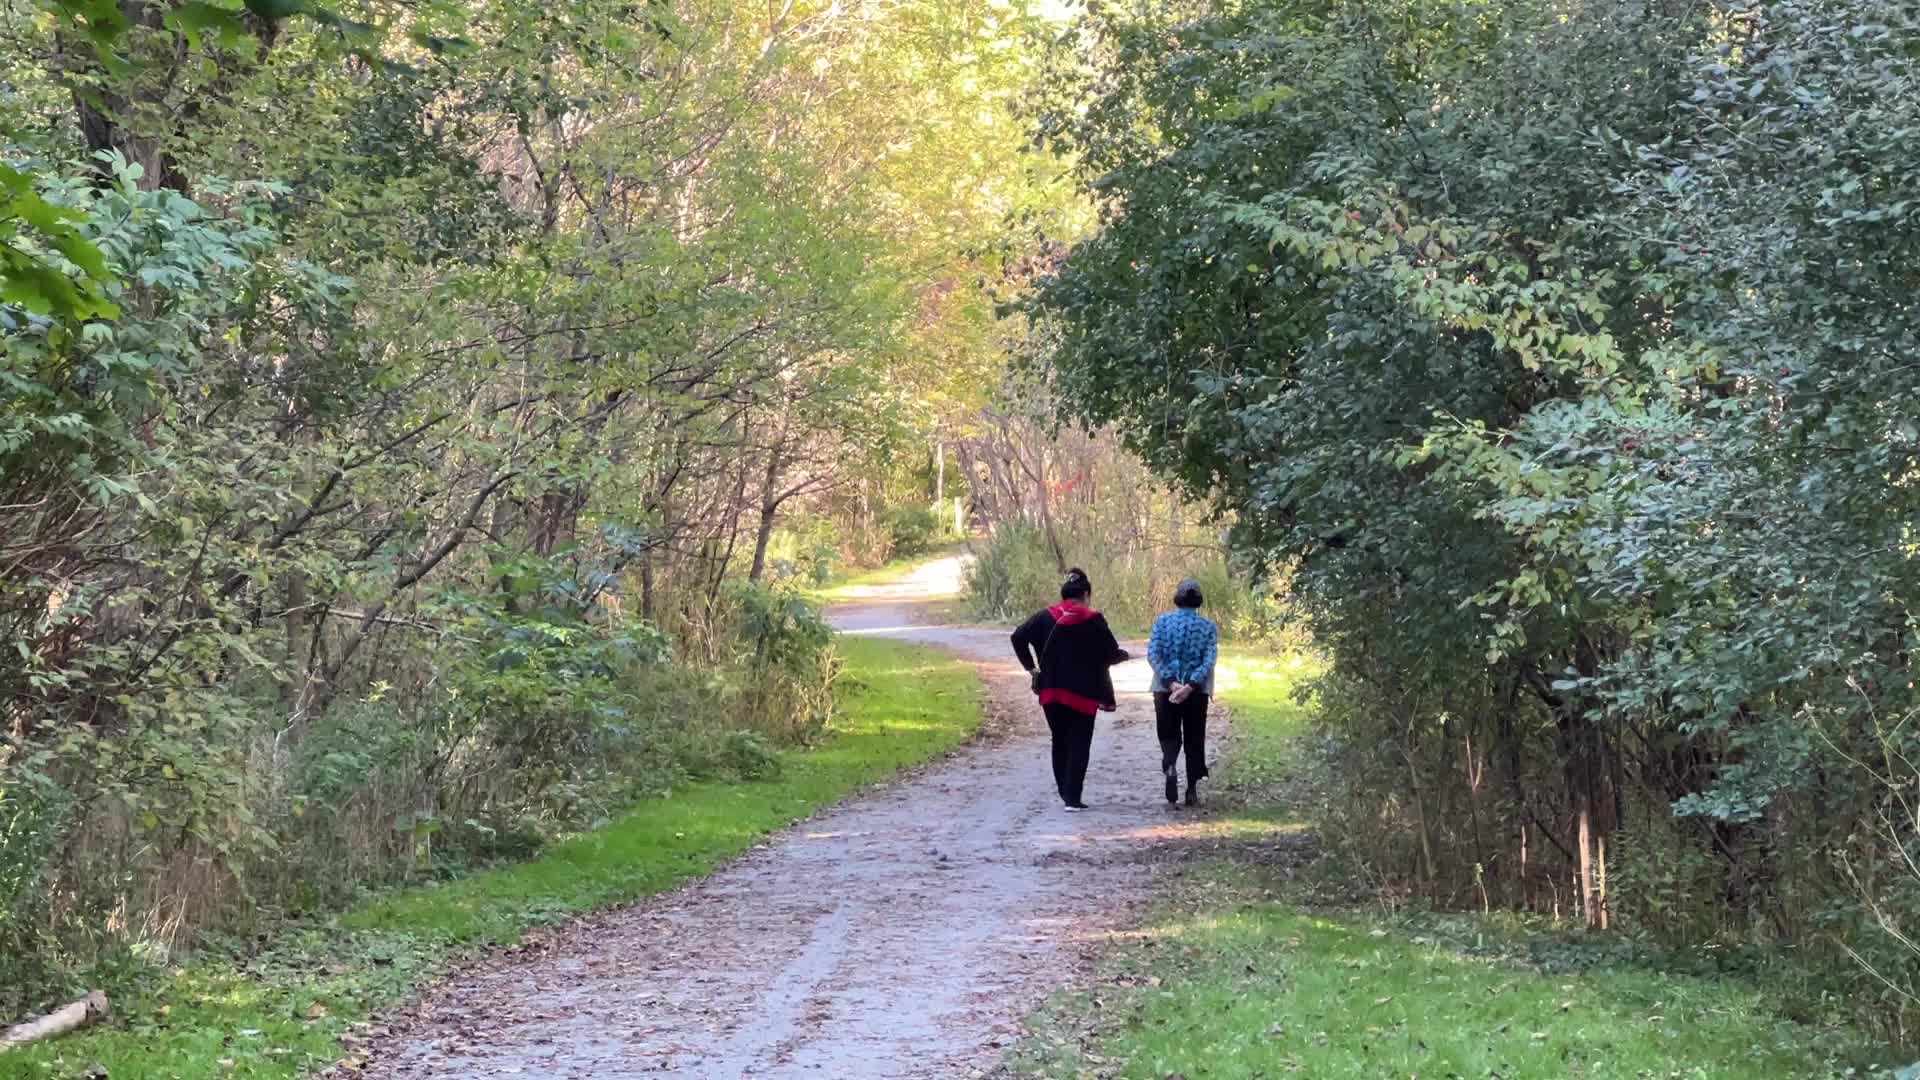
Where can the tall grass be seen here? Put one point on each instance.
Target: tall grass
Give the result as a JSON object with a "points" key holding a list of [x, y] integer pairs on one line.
{"points": [[1014, 573]]}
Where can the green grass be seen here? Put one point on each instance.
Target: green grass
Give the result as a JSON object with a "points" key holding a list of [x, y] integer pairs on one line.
{"points": [[287, 1009], [1232, 978], [1262, 990]]}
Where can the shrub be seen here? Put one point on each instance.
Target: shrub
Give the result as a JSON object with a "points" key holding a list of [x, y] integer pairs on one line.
{"points": [[1015, 574], [913, 530], [790, 667], [32, 814]]}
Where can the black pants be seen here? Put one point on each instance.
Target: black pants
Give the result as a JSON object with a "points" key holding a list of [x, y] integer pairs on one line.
{"points": [[1072, 746], [1180, 725]]}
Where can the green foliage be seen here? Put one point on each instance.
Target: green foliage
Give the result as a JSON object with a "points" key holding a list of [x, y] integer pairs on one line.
{"points": [[1549, 352], [47, 264], [32, 816], [392, 399], [1243, 968], [1013, 575], [913, 531], [901, 705]]}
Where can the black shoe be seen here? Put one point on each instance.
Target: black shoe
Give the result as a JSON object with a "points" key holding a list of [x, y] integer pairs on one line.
{"points": [[1173, 785], [1193, 793], [1075, 807]]}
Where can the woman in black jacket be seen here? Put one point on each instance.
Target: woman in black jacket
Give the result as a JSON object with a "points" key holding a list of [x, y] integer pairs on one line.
{"points": [[1075, 649]]}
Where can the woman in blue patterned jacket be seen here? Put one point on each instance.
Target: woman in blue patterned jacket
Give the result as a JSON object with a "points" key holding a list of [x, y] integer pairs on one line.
{"points": [[1182, 652]]}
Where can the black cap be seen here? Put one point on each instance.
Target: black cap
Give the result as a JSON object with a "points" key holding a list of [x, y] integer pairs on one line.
{"points": [[1187, 594]]}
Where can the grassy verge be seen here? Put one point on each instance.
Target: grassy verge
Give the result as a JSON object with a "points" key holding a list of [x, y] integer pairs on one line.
{"points": [[1233, 977], [293, 1005]]}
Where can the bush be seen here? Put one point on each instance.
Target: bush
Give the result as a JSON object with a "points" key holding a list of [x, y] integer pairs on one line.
{"points": [[807, 548], [913, 531], [730, 755], [529, 718], [32, 814], [1015, 574], [786, 662], [1665, 882]]}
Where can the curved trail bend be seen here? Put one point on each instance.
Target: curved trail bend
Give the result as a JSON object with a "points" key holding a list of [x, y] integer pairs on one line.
{"points": [[902, 934]]}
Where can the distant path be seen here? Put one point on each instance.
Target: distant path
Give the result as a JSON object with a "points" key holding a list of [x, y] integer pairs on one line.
{"points": [[903, 934]]}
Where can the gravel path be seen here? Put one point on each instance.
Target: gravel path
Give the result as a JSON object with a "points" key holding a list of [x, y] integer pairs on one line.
{"points": [[903, 934]]}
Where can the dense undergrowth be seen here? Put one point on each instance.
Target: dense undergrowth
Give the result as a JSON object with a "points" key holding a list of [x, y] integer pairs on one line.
{"points": [[278, 1005], [1268, 959], [535, 724], [1559, 356], [1015, 572]]}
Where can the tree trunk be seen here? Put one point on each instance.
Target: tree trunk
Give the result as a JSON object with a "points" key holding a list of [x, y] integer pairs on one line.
{"points": [[978, 495], [1428, 872], [1600, 880], [1588, 897], [1038, 474], [101, 114], [769, 511], [646, 586]]}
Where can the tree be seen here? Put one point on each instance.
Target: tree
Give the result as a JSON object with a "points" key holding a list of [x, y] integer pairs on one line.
{"points": [[1508, 332], [409, 380]]}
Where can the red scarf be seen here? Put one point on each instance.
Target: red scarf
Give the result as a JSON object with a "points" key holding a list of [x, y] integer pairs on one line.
{"points": [[1071, 613]]}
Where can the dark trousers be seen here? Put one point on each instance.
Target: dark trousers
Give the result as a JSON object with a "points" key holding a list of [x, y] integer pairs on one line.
{"points": [[1072, 746], [1180, 725]]}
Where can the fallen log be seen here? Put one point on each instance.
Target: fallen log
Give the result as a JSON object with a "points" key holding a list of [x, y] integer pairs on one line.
{"points": [[58, 1022]]}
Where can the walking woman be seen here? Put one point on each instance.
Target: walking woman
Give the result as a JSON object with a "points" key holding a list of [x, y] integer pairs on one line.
{"points": [[1182, 651], [1075, 648]]}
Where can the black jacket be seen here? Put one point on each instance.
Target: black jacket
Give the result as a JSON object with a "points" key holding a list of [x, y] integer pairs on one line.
{"points": [[1073, 656]]}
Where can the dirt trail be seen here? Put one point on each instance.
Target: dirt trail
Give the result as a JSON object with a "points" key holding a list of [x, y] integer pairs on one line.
{"points": [[903, 934]]}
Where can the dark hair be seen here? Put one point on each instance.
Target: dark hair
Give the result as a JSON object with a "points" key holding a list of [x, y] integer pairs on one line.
{"points": [[1187, 594], [1076, 587]]}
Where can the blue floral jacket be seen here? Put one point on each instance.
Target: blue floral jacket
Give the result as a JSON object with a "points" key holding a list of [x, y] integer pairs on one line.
{"points": [[1183, 648]]}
